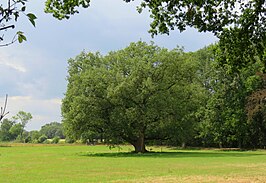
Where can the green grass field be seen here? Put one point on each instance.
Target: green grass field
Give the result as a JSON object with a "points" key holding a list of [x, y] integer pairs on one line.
{"points": [[76, 163]]}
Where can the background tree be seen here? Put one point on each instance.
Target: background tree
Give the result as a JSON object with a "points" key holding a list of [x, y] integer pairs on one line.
{"points": [[52, 130], [132, 95], [240, 25], [17, 132], [225, 122], [5, 133], [10, 11], [33, 136], [42, 139], [256, 113], [21, 118]]}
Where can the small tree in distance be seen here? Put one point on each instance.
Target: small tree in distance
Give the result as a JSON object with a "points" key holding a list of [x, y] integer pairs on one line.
{"points": [[22, 118], [53, 129]]}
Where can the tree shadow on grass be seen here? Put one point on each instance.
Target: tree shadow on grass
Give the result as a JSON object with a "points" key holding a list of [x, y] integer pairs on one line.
{"points": [[171, 154]]}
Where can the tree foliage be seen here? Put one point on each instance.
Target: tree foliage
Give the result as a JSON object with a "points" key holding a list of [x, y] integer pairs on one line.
{"points": [[14, 128], [5, 134], [10, 12], [42, 139], [164, 97], [240, 25], [23, 118], [145, 94], [256, 112], [136, 94], [63, 9], [52, 130], [225, 121]]}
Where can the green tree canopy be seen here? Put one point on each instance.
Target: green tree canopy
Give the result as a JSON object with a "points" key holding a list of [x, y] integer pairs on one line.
{"points": [[52, 130], [136, 94], [231, 99], [5, 134], [17, 131], [21, 118]]}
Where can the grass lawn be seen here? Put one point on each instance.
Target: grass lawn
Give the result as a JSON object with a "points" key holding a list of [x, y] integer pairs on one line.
{"points": [[76, 163]]}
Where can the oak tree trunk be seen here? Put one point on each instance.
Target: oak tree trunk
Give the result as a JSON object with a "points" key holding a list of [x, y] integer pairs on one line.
{"points": [[139, 145]]}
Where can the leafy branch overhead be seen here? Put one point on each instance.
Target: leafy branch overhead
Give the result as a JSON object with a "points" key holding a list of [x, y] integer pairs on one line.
{"points": [[32, 18], [64, 8], [228, 20], [10, 11]]}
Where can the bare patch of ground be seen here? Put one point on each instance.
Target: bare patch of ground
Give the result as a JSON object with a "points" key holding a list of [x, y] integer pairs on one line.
{"points": [[197, 179]]}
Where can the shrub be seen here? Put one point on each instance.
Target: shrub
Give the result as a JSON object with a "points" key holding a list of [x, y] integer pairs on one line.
{"points": [[19, 139], [35, 141], [28, 139], [62, 141], [69, 140], [42, 139], [47, 141], [55, 140]]}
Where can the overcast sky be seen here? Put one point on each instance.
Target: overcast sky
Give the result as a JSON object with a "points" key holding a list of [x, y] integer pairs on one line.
{"points": [[33, 73]]}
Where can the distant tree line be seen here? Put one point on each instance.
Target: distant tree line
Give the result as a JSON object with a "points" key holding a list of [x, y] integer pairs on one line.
{"points": [[14, 130]]}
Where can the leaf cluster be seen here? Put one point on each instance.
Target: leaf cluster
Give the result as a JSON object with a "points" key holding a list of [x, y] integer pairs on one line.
{"points": [[64, 8], [10, 11]]}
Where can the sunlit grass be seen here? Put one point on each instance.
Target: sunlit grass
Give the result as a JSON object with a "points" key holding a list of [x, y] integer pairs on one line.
{"points": [[77, 163]]}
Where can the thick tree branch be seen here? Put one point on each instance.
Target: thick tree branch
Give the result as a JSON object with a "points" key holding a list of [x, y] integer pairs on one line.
{"points": [[7, 27], [3, 110]]}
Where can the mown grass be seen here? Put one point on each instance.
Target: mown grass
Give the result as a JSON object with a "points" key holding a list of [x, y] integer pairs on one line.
{"points": [[77, 163]]}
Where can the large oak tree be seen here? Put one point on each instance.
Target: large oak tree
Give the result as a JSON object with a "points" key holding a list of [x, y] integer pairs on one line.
{"points": [[136, 94]]}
